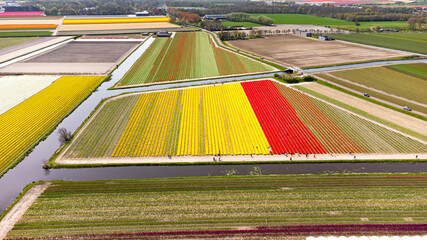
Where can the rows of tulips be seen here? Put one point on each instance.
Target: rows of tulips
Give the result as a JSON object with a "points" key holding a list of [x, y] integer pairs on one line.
{"points": [[285, 132], [98, 140], [332, 138], [27, 26], [187, 56], [115, 20], [298, 230], [15, 89], [23, 125]]}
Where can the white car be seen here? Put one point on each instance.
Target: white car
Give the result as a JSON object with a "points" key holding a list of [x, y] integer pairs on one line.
{"points": [[407, 108]]}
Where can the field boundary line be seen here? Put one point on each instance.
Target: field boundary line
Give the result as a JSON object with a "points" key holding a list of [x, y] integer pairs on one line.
{"points": [[19, 209], [239, 159], [58, 26], [65, 40], [355, 114], [233, 49], [376, 90], [239, 54], [190, 80], [383, 48]]}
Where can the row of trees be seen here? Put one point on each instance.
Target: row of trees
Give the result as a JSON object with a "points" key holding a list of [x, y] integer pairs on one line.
{"points": [[97, 7], [415, 21], [183, 17], [239, 35], [364, 13], [245, 17]]}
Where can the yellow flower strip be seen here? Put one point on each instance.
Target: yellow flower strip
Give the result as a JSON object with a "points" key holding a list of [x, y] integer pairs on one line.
{"points": [[149, 128], [193, 122], [23, 125], [116, 20]]}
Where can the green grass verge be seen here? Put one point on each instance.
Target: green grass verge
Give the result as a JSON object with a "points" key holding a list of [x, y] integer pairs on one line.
{"points": [[53, 164], [304, 19], [416, 69], [412, 42], [213, 203], [240, 24], [358, 111], [412, 57], [25, 34], [7, 42]]}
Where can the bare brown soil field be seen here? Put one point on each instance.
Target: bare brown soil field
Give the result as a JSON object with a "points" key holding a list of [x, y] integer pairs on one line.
{"points": [[400, 119], [75, 58], [28, 47], [58, 68], [115, 26], [85, 52], [308, 52]]}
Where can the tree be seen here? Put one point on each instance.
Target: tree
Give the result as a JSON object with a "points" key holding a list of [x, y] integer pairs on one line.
{"points": [[412, 23], [64, 135]]}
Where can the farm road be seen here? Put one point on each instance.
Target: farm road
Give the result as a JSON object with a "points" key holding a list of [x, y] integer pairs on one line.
{"points": [[377, 99], [400, 119], [246, 53], [376, 90], [20, 208]]}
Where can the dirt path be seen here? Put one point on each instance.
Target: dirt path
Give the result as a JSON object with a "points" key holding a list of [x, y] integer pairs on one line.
{"points": [[20, 208], [241, 158], [400, 119], [238, 51], [57, 27], [376, 90], [374, 98]]}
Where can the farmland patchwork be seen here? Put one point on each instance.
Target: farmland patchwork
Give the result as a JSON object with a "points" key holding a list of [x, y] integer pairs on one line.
{"points": [[187, 56], [258, 117]]}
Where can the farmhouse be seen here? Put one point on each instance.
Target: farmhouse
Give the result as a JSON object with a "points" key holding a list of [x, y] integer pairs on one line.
{"points": [[325, 38], [214, 17], [303, 33], [163, 33], [143, 13]]}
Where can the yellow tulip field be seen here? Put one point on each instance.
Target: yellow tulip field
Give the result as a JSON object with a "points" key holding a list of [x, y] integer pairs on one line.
{"points": [[27, 122], [196, 121]]}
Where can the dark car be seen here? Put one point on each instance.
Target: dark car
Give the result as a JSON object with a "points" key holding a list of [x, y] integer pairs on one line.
{"points": [[366, 95]]}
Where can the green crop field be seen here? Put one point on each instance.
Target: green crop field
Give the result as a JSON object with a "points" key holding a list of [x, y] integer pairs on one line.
{"points": [[187, 56], [373, 94], [388, 80], [25, 34], [241, 24], [118, 208], [304, 19], [7, 42], [412, 42], [333, 23], [369, 25], [416, 69]]}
